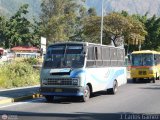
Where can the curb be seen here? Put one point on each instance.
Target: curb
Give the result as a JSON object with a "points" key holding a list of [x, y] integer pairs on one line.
{"points": [[12, 100], [19, 88]]}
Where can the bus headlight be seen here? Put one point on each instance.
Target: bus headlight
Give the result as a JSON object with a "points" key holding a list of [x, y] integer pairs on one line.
{"points": [[151, 70], [75, 82]]}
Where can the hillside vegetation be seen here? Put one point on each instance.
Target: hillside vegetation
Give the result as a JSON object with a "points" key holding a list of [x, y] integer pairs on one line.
{"points": [[75, 20], [131, 6], [9, 7]]}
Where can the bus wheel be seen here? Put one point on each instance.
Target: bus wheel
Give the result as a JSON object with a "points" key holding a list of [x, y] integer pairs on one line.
{"points": [[157, 77], [87, 94], [154, 80], [49, 98], [114, 89]]}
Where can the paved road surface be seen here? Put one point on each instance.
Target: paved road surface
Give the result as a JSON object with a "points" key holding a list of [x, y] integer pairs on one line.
{"points": [[131, 102]]}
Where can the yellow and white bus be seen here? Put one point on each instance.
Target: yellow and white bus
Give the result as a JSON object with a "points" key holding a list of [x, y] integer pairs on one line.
{"points": [[145, 65]]}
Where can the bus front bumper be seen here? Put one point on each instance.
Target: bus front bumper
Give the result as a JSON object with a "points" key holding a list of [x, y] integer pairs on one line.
{"points": [[58, 91], [149, 76]]}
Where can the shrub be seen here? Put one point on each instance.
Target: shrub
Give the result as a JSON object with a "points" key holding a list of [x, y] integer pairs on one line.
{"points": [[32, 61], [18, 74]]}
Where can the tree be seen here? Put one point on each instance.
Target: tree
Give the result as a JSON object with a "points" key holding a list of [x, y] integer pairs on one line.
{"points": [[152, 40], [125, 13], [92, 29], [136, 33], [92, 12], [60, 19], [2, 30], [116, 28], [18, 29], [36, 34]]}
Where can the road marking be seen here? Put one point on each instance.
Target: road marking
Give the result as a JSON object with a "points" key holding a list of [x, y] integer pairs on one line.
{"points": [[20, 103]]}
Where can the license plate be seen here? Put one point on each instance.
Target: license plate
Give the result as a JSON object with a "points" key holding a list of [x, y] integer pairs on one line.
{"points": [[58, 90]]}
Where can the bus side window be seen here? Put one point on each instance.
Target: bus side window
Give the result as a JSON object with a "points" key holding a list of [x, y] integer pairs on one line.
{"points": [[122, 60], [98, 55], [106, 56], [155, 59], [158, 57], [113, 57], [90, 57]]}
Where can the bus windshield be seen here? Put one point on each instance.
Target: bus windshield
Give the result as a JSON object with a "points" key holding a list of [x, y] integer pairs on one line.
{"points": [[142, 59], [64, 56]]}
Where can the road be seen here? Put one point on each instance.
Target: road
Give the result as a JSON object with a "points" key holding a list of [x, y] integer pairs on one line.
{"points": [[131, 102]]}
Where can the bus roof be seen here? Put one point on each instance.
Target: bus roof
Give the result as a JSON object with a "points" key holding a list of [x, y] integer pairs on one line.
{"points": [[145, 51], [84, 43], [68, 42]]}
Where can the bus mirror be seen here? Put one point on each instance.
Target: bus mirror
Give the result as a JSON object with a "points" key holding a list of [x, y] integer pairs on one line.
{"points": [[84, 54], [44, 55]]}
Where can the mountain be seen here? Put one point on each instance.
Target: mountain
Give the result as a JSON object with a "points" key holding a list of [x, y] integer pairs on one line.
{"points": [[9, 7], [132, 6]]}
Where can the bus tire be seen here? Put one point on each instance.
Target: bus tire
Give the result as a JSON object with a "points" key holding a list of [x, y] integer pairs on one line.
{"points": [[87, 93], [157, 77], [114, 89], [49, 98], [154, 80]]}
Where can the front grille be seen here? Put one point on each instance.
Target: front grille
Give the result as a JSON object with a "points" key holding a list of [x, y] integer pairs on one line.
{"points": [[142, 72], [61, 81]]}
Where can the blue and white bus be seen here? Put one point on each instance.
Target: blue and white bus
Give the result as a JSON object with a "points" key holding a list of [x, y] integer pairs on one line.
{"points": [[80, 69]]}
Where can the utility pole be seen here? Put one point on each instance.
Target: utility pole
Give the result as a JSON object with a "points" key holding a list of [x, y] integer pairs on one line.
{"points": [[102, 23]]}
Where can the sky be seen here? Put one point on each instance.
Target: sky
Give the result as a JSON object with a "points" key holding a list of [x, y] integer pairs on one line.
{"points": [[132, 6]]}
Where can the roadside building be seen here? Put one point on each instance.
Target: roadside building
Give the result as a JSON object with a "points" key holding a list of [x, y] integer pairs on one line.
{"points": [[26, 51]]}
